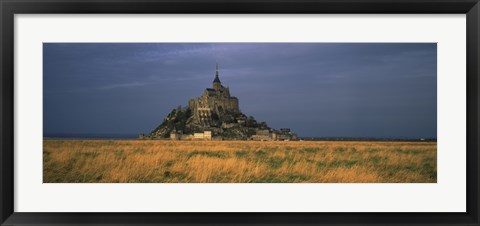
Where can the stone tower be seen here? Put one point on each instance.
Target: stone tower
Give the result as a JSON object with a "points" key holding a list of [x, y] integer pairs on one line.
{"points": [[214, 101]]}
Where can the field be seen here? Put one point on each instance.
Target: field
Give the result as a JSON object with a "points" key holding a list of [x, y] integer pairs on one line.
{"points": [[155, 161]]}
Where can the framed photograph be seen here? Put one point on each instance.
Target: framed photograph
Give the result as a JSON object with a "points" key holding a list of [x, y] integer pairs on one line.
{"points": [[240, 112]]}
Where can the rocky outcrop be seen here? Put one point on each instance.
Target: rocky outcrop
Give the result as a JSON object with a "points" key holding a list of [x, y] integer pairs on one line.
{"points": [[228, 126]]}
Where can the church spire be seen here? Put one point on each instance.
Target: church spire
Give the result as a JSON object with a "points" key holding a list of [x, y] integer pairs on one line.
{"points": [[217, 85], [216, 80]]}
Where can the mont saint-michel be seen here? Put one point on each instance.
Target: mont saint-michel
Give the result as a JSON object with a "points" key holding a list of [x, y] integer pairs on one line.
{"points": [[238, 113], [216, 115]]}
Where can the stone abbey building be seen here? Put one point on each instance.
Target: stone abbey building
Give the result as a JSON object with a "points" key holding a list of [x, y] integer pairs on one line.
{"points": [[215, 115], [214, 101]]}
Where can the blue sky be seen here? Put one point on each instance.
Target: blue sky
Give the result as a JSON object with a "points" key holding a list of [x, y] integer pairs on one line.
{"points": [[382, 90]]}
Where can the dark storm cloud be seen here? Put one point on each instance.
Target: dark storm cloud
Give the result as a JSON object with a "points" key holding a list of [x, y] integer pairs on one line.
{"points": [[317, 89]]}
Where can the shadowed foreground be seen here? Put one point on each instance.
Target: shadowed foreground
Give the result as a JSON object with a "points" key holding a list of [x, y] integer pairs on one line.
{"points": [[155, 161]]}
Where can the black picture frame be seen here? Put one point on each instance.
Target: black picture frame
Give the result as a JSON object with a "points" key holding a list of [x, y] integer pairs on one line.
{"points": [[9, 8]]}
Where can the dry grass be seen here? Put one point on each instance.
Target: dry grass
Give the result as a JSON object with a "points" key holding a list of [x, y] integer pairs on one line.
{"points": [[151, 161]]}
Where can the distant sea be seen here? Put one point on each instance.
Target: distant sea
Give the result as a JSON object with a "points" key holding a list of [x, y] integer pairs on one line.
{"points": [[90, 136], [367, 139], [135, 136]]}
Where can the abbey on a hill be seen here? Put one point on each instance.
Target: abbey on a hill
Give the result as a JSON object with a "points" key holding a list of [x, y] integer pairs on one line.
{"points": [[215, 115], [214, 102]]}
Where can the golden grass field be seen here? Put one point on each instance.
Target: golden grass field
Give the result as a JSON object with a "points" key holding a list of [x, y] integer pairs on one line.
{"points": [[161, 161]]}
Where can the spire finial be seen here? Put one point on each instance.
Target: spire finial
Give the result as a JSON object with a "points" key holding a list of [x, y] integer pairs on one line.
{"points": [[216, 74]]}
